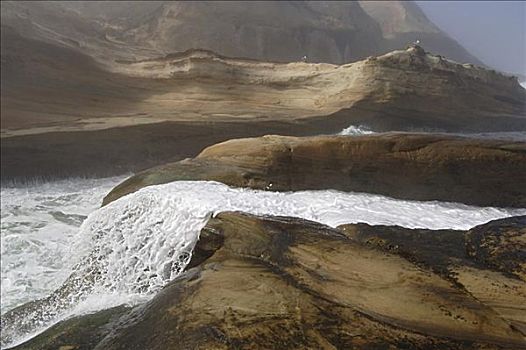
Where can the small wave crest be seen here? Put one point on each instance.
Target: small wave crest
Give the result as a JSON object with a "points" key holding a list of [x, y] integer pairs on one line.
{"points": [[353, 130], [356, 130]]}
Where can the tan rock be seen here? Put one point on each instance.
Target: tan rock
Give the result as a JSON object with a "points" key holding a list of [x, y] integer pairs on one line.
{"points": [[277, 282], [407, 166], [486, 261]]}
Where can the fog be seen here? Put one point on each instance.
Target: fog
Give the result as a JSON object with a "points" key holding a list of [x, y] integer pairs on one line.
{"points": [[493, 31]]}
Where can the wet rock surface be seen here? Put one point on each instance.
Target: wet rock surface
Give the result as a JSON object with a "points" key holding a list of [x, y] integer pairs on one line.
{"points": [[405, 166], [77, 333], [501, 245], [287, 283]]}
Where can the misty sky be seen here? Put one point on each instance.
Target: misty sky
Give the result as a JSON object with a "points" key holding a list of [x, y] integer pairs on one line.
{"points": [[493, 31]]}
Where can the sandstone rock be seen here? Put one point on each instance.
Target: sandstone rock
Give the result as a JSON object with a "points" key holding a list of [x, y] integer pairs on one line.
{"points": [[500, 244], [436, 250], [487, 261], [407, 166], [277, 282], [402, 90]]}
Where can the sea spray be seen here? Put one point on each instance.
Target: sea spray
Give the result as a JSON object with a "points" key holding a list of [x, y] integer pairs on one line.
{"points": [[499, 135], [38, 222], [132, 247], [356, 130]]}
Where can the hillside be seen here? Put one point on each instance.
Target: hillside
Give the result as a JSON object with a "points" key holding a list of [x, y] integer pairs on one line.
{"points": [[332, 32]]}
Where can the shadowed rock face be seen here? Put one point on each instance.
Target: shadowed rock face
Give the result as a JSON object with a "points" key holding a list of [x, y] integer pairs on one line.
{"points": [[403, 22], [407, 166], [285, 283]]}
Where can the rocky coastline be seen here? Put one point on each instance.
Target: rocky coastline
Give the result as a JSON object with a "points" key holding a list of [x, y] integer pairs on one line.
{"points": [[289, 283], [292, 283], [259, 113]]}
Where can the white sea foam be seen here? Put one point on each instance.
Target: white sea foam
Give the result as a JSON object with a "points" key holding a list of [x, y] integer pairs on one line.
{"points": [[141, 241], [353, 130], [37, 225], [356, 130]]}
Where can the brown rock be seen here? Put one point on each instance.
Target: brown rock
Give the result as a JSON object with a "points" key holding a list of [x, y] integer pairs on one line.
{"points": [[406, 166], [285, 283], [500, 244], [491, 268]]}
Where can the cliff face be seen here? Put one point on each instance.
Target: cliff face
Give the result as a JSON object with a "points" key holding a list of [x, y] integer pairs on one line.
{"points": [[398, 17], [403, 22], [402, 90], [333, 32], [270, 31]]}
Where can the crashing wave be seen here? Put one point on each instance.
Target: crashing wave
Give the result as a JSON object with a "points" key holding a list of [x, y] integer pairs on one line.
{"points": [[134, 246], [38, 223]]}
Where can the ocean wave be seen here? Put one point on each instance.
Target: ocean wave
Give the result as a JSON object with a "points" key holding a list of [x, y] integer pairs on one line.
{"points": [[38, 223], [353, 130]]}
